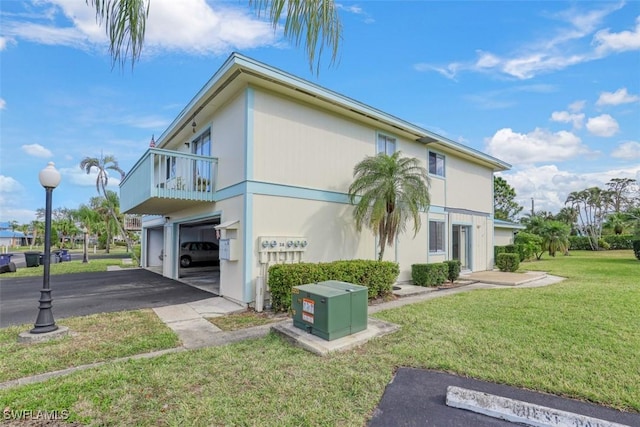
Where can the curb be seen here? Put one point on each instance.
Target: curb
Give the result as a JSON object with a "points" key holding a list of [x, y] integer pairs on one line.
{"points": [[518, 411]]}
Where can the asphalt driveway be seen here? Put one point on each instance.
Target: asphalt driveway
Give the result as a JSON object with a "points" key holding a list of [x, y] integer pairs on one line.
{"points": [[81, 294]]}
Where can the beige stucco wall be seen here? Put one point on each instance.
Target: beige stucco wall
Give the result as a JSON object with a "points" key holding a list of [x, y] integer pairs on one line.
{"points": [[468, 185], [296, 144], [228, 141]]}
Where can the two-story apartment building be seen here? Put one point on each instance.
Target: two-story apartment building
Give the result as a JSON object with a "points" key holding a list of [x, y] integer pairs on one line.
{"points": [[262, 160]]}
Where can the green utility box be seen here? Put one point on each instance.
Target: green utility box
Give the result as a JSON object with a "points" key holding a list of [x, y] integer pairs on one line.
{"points": [[330, 309]]}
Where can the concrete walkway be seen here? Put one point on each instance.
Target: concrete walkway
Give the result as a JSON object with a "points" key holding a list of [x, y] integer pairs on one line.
{"points": [[189, 320]]}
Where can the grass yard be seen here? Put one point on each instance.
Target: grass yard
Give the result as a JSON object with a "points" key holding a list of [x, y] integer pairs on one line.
{"points": [[579, 338], [94, 338], [75, 266]]}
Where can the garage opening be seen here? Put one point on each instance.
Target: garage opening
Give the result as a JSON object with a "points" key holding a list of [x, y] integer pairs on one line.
{"points": [[198, 257]]}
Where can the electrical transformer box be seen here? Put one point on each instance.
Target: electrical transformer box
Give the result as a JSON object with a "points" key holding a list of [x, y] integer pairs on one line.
{"points": [[330, 309]]}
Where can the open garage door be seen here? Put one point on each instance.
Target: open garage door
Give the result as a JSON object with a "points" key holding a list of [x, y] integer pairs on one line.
{"points": [[198, 259]]}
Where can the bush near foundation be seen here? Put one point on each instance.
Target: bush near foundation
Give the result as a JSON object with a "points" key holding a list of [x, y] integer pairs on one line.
{"points": [[377, 276], [454, 269], [508, 262], [429, 274]]}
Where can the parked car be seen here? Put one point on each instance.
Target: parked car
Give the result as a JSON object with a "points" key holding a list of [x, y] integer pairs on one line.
{"points": [[192, 252]]}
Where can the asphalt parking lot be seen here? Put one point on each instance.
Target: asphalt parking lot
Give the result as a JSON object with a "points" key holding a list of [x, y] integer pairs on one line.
{"points": [[81, 294], [416, 397]]}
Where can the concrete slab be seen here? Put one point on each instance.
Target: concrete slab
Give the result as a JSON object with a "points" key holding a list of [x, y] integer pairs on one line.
{"points": [[29, 338], [178, 312], [503, 278], [375, 328], [217, 306], [194, 333], [518, 411]]}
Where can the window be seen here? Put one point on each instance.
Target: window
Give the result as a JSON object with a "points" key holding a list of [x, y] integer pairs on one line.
{"points": [[386, 145], [171, 167], [436, 236], [436, 164]]}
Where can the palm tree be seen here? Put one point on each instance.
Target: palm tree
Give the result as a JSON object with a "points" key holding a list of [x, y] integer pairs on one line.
{"points": [[315, 23], [103, 165], [555, 237], [391, 189]]}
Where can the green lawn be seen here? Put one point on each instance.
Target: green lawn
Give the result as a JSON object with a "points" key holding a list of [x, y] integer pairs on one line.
{"points": [[75, 266], [579, 338]]}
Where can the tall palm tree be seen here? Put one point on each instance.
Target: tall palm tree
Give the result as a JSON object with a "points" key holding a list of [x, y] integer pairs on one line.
{"points": [[391, 189], [104, 164], [314, 23]]}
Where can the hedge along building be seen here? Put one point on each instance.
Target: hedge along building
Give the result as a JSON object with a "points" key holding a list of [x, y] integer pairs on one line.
{"points": [[263, 160]]}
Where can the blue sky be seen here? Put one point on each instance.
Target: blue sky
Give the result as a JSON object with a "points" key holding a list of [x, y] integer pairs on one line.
{"points": [[552, 88]]}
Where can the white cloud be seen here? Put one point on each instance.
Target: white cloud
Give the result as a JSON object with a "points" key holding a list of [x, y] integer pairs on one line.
{"points": [[618, 42], [549, 185], [629, 150], [540, 145], [78, 176], [9, 185], [603, 125], [577, 106], [3, 43], [196, 27], [621, 96], [566, 46], [36, 150], [356, 10], [566, 117], [3, 104]]}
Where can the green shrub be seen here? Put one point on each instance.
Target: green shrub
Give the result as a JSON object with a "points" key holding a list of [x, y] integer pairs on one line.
{"points": [[283, 277], [636, 248], [508, 262], [529, 245], [579, 243], [619, 241], [377, 276], [603, 245], [498, 250], [429, 274], [454, 269]]}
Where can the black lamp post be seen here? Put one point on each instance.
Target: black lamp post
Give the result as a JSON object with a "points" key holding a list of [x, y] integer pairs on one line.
{"points": [[84, 253], [49, 179]]}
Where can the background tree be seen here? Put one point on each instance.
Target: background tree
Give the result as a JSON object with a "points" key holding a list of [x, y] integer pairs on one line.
{"points": [[103, 165], [391, 189], [504, 204], [314, 23], [592, 206], [555, 237], [621, 192], [568, 216]]}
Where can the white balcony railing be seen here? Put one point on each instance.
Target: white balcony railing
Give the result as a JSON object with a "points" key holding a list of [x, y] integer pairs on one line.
{"points": [[162, 179]]}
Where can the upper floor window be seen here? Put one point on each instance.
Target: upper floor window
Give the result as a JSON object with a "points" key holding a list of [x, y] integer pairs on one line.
{"points": [[436, 164], [386, 145]]}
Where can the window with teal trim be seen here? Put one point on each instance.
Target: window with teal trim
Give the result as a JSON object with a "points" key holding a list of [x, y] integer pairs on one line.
{"points": [[436, 236]]}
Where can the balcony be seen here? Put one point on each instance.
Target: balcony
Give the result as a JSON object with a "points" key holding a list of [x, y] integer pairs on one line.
{"points": [[163, 181]]}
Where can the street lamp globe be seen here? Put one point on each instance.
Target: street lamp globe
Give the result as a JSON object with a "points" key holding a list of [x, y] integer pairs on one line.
{"points": [[49, 176]]}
